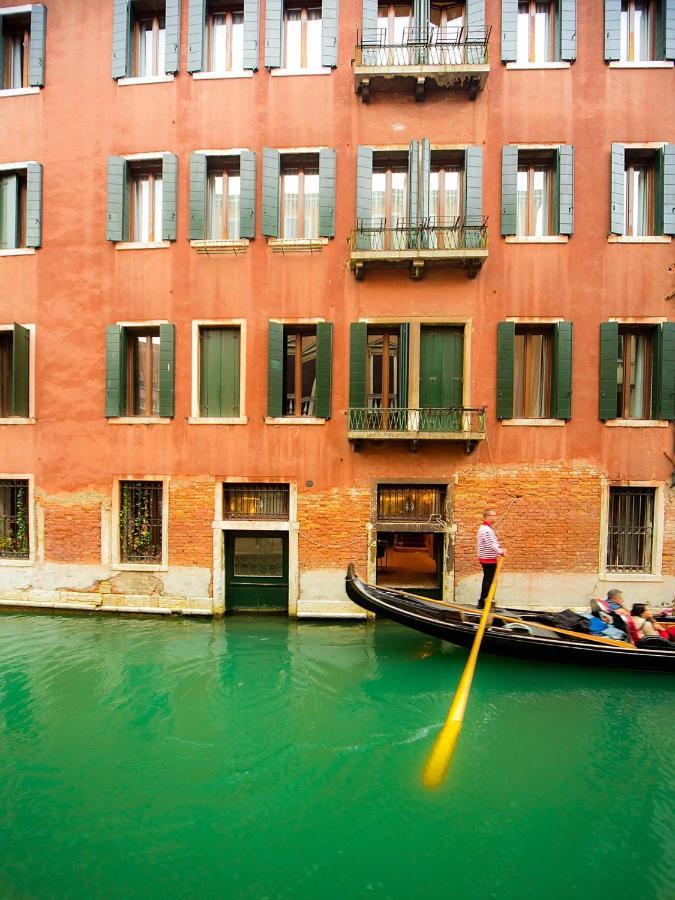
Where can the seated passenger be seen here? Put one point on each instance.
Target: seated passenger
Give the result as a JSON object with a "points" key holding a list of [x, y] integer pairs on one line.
{"points": [[616, 613], [647, 625], [600, 622]]}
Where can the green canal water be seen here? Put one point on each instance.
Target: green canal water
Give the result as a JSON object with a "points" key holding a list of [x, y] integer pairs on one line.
{"points": [[265, 758]]}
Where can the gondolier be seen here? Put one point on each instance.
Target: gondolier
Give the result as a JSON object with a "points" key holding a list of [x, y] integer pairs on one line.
{"points": [[489, 549]]}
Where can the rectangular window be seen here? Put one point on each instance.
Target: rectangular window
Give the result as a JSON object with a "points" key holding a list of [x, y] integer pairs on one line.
{"points": [[14, 519], [382, 373], [15, 35], [534, 190], [6, 368], [302, 37], [639, 193], [638, 30], [148, 44], [143, 372], [256, 501], [446, 199], [536, 31], [389, 201], [299, 371], [634, 372], [140, 522], [299, 197], [630, 531], [224, 199], [146, 204], [12, 210], [225, 38], [219, 372], [532, 373], [410, 503]]}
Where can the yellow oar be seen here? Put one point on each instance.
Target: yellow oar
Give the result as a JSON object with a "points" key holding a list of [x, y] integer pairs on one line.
{"points": [[441, 754]]}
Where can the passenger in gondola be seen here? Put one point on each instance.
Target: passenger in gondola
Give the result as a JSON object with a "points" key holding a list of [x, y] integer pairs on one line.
{"points": [[648, 626], [614, 612]]}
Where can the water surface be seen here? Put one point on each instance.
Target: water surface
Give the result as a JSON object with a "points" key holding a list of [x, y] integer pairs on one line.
{"points": [[266, 758]]}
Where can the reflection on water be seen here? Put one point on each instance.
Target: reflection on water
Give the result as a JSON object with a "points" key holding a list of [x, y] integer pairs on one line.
{"points": [[260, 757]]}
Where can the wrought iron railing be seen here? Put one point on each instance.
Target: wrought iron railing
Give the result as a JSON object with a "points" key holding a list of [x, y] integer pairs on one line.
{"points": [[418, 46], [457, 420], [423, 234], [14, 533]]}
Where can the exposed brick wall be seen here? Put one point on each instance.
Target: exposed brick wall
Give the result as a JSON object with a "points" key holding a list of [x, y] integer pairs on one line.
{"points": [[191, 511], [669, 535], [333, 528], [72, 527]]}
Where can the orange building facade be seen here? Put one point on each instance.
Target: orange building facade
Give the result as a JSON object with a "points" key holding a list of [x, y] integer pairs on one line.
{"points": [[500, 306]]}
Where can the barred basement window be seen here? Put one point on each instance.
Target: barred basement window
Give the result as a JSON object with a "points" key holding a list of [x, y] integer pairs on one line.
{"points": [[410, 503], [630, 530], [256, 501], [14, 531], [141, 521]]}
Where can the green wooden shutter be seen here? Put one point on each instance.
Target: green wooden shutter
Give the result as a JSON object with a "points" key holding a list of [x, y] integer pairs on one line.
{"points": [[271, 168], [364, 195], [324, 369], [329, 33], [251, 34], [196, 30], [565, 189], [121, 38], [117, 214], [169, 196], [198, 164], [36, 52], [274, 23], [562, 371], [20, 371], [369, 21], [668, 182], [167, 352], [9, 211], [617, 176], [509, 184], [33, 205], [2, 53], [473, 186], [506, 339], [403, 364], [247, 180], [172, 36], [441, 369], [612, 29], [609, 361], [669, 28], [358, 349], [413, 185], [568, 30], [424, 180], [219, 365], [509, 30], [275, 370], [664, 372], [327, 175], [475, 19], [115, 371]]}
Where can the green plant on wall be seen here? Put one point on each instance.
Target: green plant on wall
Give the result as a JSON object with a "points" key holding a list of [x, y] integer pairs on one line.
{"points": [[14, 535]]}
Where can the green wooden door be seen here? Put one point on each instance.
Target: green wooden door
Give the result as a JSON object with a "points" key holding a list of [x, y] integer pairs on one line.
{"points": [[256, 571], [441, 378]]}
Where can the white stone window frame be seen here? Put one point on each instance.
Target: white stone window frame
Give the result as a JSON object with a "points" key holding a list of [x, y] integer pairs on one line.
{"points": [[222, 526], [209, 246], [656, 575], [297, 420], [115, 562], [17, 92], [151, 156], [644, 321], [17, 167], [195, 418], [31, 418], [32, 522]]}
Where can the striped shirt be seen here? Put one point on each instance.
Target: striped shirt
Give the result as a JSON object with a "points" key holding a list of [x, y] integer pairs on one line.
{"points": [[487, 544]]}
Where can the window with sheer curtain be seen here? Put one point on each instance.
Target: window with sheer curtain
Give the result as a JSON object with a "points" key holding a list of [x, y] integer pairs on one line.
{"points": [[299, 371], [302, 37], [638, 30], [445, 201], [532, 373], [634, 373], [148, 45], [146, 206], [15, 36], [639, 192], [536, 31], [300, 201], [224, 196], [534, 196], [225, 39]]}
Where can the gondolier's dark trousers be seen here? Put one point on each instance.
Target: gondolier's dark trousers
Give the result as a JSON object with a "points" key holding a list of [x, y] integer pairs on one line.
{"points": [[489, 570]]}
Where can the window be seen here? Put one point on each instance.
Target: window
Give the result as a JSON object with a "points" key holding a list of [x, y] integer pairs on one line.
{"points": [[256, 501], [146, 204], [15, 386], [219, 372], [536, 31], [300, 358], [534, 196], [447, 35], [383, 369], [630, 531], [14, 519], [225, 39], [412, 503], [299, 198], [142, 198], [140, 371], [149, 44], [15, 34], [639, 193], [299, 370], [389, 201], [638, 30], [302, 37], [143, 372], [532, 373], [224, 196], [140, 522], [634, 372], [445, 199], [12, 210]]}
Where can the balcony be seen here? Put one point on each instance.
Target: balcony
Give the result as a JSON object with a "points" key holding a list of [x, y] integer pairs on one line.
{"points": [[446, 423], [430, 242], [448, 58]]}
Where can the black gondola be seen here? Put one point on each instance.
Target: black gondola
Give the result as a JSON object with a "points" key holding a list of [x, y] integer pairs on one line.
{"points": [[525, 639]]}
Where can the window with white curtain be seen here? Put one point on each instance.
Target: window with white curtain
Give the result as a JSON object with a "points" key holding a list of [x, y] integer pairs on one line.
{"points": [[634, 372], [532, 373], [299, 198], [302, 37], [638, 30]]}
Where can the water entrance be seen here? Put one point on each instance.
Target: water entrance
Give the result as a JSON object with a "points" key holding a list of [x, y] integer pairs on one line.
{"points": [[256, 571]]}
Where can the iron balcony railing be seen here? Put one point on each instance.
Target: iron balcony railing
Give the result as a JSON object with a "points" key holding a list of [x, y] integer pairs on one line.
{"points": [[423, 47], [456, 420], [432, 233]]}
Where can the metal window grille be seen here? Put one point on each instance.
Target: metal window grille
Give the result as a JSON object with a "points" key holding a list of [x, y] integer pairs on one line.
{"points": [[141, 521], [255, 501], [630, 530], [410, 503], [14, 532]]}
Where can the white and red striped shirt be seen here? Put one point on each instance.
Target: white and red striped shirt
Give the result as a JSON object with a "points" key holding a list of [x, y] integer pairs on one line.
{"points": [[487, 545]]}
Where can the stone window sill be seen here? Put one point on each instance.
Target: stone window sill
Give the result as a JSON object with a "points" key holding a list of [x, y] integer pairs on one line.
{"points": [[213, 76], [537, 423], [539, 65], [536, 239], [279, 245], [283, 73], [18, 420], [140, 420], [212, 420], [141, 245], [639, 239], [630, 576], [295, 420], [24, 563], [138, 567], [219, 247], [18, 251], [637, 423], [643, 64], [143, 79], [19, 92]]}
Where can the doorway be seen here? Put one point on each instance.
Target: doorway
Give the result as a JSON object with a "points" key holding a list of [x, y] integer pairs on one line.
{"points": [[256, 571], [411, 560]]}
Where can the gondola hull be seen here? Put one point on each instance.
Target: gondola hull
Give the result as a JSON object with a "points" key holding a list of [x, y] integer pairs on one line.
{"points": [[448, 623]]}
